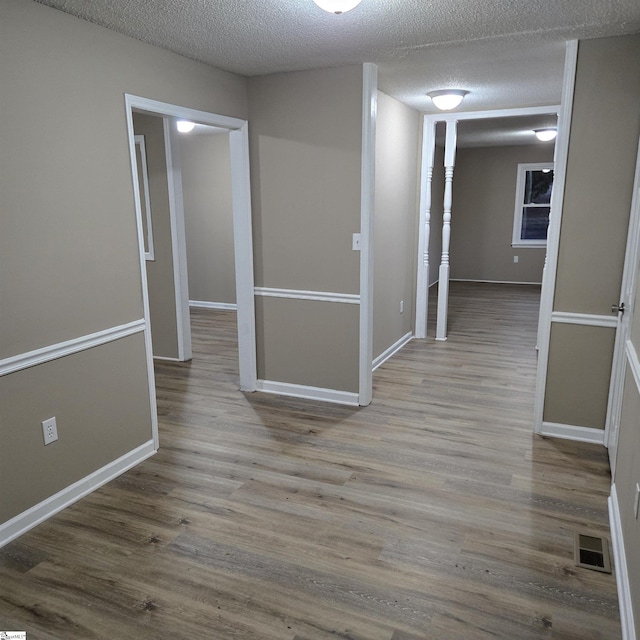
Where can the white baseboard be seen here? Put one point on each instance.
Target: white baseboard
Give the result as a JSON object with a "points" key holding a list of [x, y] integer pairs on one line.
{"points": [[571, 432], [394, 348], [202, 304], [309, 393], [32, 517], [168, 359], [621, 568], [493, 281]]}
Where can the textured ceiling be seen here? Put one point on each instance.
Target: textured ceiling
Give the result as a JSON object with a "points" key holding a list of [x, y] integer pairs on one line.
{"points": [[506, 52]]}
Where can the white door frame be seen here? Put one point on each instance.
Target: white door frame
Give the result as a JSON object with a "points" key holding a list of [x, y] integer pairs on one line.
{"points": [[428, 148], [242, 234], [553, 233], [623, 350]]}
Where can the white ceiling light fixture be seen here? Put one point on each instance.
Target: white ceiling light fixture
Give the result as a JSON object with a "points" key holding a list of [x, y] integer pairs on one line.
{"points": [[447, 99], [546, 135], [337, 6], [185, 126]]}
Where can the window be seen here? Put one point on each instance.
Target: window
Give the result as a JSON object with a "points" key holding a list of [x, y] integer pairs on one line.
{"points": [[533, 198]]}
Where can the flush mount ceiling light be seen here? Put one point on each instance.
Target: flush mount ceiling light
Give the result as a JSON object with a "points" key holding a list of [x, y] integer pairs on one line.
{"points": [[447, 99], [184, 126], [545, 135], [337, 6]]}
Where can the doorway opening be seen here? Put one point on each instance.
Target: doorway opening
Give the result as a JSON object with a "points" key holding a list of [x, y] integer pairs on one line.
{"points": [[462, 145], [242, 238]]}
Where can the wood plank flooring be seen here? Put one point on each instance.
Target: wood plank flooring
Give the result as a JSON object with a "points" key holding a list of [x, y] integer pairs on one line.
{"points": [[434, 513]]}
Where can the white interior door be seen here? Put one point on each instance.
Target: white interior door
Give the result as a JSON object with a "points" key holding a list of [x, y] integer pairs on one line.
{"points": [[624, 306]]}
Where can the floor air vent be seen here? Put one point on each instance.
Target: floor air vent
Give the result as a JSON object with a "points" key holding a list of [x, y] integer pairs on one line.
{"points": [[592, 553]]}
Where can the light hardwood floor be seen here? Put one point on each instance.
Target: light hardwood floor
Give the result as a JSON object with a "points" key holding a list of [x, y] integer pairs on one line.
{"points": [[434, 513]]}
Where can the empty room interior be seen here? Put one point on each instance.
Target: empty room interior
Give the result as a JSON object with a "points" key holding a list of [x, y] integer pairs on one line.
{"points": [[290, 349]]}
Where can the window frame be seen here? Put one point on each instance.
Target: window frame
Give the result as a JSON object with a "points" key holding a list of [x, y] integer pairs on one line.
{"points": [[516, 240]]}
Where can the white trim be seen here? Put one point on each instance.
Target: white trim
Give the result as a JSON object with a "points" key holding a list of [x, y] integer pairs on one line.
{"points": [[572, 432], [494, 113], [32, 517], [178, 238], [625, 602], [308, 393], [429, 121], [634, 362], [392, 350], [68, 347], [139, 140], [176, 111], [243, 256], [298, 294], [586, 319], [167, 359], [242, 233], [492, 281], [367, 209], [203, 304], [561, 153]]}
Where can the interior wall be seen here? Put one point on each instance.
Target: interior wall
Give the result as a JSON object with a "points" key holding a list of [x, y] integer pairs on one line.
{"points": [[597, 199], [69, 262], [396, 210], [160, 279], [484, 190], [208, 213], [306, 146]]}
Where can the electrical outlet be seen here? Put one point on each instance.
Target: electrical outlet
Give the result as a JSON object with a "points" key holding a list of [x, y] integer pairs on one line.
{"points": [[636, 502], [515, 259], [50, 430], [401, 306]]}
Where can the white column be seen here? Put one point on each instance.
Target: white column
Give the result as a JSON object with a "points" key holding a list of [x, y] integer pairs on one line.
{"points": [[422, 292], [443, 280]]}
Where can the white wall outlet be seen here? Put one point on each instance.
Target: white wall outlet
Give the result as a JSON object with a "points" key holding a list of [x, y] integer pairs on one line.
{"points": [[636, 502], [355, 242], [50, 430], [515, 259], [401, 306]]}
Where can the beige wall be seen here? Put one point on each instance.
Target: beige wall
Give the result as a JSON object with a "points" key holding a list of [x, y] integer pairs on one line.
{"points": [[578, 375], [68, 249], [600, 170], [208, 213], [100, 398], [484, 189], [160, 280], [601, 163], [396, 211], [306, 145]]}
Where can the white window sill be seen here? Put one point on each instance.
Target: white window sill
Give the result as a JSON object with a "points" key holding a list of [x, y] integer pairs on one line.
{"points": [[529, 245]]}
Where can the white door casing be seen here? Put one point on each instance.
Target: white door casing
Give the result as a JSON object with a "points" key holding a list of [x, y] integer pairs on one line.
{"points": [[243, 242], [428, 145]]}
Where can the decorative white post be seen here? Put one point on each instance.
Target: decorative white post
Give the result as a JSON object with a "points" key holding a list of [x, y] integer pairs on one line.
{"points": [[422, 295], [443, 280]]}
